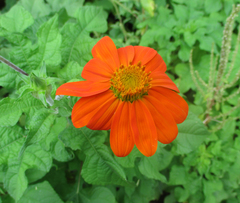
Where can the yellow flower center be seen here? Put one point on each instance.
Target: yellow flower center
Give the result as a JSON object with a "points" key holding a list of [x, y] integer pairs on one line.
{"points": [[130, 83]]}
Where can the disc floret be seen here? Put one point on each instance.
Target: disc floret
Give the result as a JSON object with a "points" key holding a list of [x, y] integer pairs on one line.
{"points": [[131, 82]]}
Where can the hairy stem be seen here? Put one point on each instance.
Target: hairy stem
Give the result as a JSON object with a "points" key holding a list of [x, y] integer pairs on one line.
{"points": [[10, 64]]}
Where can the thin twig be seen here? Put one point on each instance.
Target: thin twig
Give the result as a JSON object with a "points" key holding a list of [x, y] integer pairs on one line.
{"points": [[10, 64], [120, 20], [193, 76], [79, 178]]}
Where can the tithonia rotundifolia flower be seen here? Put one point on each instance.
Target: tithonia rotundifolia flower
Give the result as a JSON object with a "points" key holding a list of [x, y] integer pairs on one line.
{"points": [[127, 91]]}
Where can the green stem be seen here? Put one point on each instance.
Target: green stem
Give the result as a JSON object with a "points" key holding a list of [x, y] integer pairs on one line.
{"points": [[2, 59]]}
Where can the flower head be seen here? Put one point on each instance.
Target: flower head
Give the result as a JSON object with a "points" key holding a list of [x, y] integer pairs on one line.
{"points": [[127, 90]]}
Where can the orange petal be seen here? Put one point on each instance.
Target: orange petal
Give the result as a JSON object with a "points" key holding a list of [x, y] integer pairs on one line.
{"points": [[97, 70], [106, 50], [176, 105], [166, 125], [102, 119], [161, 79], [82, 88], [143, 54], [126, 55], [121, 137], [86, 107], [143, 128], [156, 64]]}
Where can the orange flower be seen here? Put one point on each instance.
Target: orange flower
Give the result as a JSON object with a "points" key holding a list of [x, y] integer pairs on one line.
{"points": [[127, 90]]}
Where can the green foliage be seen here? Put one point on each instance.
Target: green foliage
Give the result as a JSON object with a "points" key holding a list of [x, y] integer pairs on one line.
{"points": [[43, 158]]}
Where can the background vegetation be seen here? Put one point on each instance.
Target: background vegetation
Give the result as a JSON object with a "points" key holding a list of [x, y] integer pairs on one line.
{"points": [[43, 158]]}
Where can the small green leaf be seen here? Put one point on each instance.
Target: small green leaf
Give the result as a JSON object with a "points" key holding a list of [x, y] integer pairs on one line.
{"points": [[16, 20], [40, 193], [70, 71], [192, 133]]}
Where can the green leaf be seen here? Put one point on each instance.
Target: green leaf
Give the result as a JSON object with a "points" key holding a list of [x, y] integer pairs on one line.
{"points": [[49, 42], [77, 44], [212, 6], [21, 52], [37, 8], [53, 144], [181, 12], [39, 127], [191, 133], [97, 195], [40, 193], [10, 112], [13, 108], [189, 38], [146, 191], [151, 166], [178, 175], [185, 81], [15, 180], [70, 71], [184, 52], [129, 160], [11, 140], [16, 20], [70, 5], [99, 166], [148, 5]]}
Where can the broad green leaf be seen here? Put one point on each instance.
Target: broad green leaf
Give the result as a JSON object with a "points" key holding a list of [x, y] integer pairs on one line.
{"points": [[184, 52], [49, 42], [129, 160], [181, 12], [21, 52], [13, 108], [10, 112], [11, 140], [77, 44], [185, 81], [210, 187], [70, 5], [98, 156], [189, 38], [191, 133], [37, 8], [151, 166], [97, 195], [146, 191], [15, 180], [70, 71], [181, 194], [178, 175], [40, 193], [16, 20], [39, 127], [212, 6]]}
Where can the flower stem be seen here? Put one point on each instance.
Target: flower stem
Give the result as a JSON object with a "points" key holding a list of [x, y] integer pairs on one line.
{"points": [[10, 64]]}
